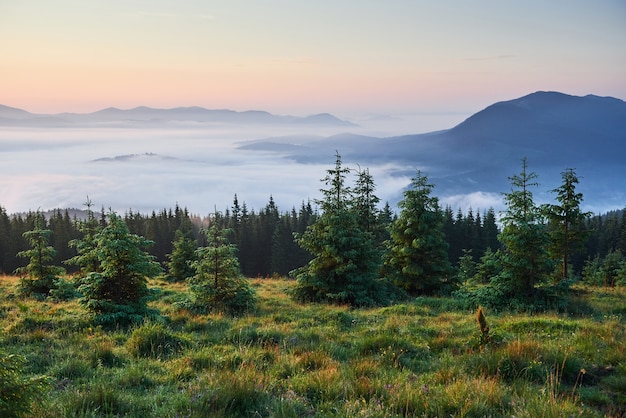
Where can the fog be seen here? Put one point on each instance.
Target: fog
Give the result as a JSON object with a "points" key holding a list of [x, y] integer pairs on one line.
{"points": [[197, 166]]}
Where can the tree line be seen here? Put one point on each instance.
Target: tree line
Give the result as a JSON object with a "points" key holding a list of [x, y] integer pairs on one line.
{"points": [[264, 238], [473, 243]]}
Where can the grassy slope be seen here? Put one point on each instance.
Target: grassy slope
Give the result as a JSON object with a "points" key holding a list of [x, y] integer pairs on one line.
{"points": [[289, 360]]}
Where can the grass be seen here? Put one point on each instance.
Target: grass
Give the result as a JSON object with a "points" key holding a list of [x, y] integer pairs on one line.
{"points": [[287, 359]]}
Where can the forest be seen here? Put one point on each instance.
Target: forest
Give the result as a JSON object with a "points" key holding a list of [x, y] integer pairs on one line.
{"points": [[265, 238], [349, 309]]}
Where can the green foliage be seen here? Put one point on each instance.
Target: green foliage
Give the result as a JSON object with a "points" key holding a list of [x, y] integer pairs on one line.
{"points": [[183, 254], [87, 256], [155, 341], [40, 274], [17, 393], [64, 289], [419, 358], [467, 267], [346, 260], [217, 283], [525, 260], [609, 271], [416, 258], [118, 292], [565, 221], [488, 267]]}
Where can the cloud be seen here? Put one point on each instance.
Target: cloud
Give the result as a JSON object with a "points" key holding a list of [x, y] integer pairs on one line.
{"points": [[477, 201]]}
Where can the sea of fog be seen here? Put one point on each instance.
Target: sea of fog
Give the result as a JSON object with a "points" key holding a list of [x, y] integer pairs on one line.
{"points": [[197, 166]]}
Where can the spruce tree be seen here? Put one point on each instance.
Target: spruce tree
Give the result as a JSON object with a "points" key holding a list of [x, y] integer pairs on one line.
{"points": [[117, 292], [86, 257], [5, 244], [524, 239], [40, 273], [417, 253], [183, 254], [565, 221], [346, 260], [217, 283]]}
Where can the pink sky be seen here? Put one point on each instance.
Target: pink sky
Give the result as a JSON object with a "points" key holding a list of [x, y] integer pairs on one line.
{"points": [[288, 57]]}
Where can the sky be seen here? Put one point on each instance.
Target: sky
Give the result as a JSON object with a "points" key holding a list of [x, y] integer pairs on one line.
{"points": [[346, 57]]}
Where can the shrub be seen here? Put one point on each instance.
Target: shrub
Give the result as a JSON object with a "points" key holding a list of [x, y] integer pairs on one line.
{"points": [[17, 393], [217, 284], [118, 293], [153, 340]]}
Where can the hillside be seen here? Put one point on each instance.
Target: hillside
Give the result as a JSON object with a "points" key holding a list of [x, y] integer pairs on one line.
{"points": [[420, 358], [553, 130]]}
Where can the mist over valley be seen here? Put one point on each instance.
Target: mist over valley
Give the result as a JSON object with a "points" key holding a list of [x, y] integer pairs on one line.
{"points": [[147, 159]]}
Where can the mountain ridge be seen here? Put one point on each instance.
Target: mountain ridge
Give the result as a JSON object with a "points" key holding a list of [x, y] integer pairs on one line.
{"points": [[141, 114], [552, 130]]}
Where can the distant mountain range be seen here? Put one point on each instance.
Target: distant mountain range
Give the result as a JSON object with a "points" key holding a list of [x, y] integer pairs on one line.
{"points": [[142, 116], [554, 131]]}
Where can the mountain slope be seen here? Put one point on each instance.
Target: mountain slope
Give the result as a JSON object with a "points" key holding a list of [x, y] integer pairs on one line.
{"points": [[552, 130]]}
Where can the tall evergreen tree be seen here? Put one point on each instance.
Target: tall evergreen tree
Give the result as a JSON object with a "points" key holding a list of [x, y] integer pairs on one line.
{"points": [[565, 221], [217, 283], [417, 253], [6, 253], [345, 263], [40, 273], [86, 257], [117, 293], [183, 254], [525, 260], [490, 231]]}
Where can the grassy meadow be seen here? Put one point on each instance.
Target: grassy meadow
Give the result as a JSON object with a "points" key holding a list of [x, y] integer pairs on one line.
{"points": [[426, 358]]}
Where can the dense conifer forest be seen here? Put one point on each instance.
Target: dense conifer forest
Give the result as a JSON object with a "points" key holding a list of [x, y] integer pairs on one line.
{"points": [[265, 240]]}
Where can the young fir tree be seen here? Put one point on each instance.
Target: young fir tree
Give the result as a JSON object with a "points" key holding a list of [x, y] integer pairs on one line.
{"points": [[417, 253], [217, 283], [346, 260], [86, 258], [525, 261], [488, 267], [117, 292], [183, 252], [565, 221], [40, 273]]}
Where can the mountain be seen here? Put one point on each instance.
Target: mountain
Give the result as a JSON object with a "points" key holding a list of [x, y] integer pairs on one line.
{"points": [[145, 115], [554, 131]]}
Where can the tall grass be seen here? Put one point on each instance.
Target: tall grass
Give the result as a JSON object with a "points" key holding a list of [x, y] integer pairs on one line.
{"points": [[287, 359]]}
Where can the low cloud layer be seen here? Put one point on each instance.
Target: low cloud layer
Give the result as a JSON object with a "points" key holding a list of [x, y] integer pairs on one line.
{"points": [[145, 170]]}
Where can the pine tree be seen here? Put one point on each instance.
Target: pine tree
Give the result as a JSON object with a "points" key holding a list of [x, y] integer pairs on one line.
{"points": [[490, 231], [183, 254], [86, 257], [40, 273], [117, 293], [417, 253], [489, 266], [217, 283], [524, 259], [5, 244], [565, 220], [345, 263]]}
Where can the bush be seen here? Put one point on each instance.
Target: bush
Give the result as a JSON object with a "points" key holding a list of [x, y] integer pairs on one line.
{"points": [[154, 341], [217, 284], [17, 393]]}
